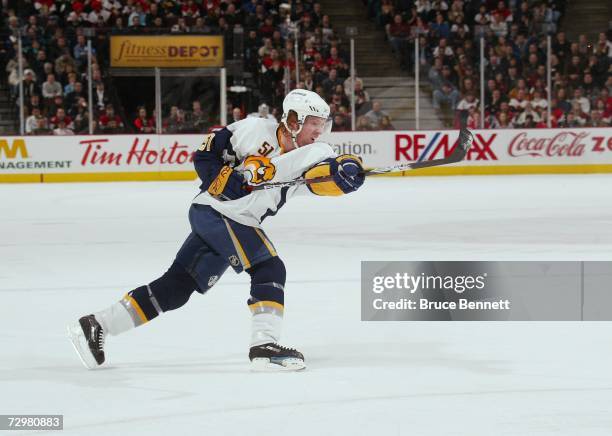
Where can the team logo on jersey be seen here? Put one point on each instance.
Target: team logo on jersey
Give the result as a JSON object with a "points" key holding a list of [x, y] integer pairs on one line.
{"points": [[234, 261], [259, 169], [212, 280]]}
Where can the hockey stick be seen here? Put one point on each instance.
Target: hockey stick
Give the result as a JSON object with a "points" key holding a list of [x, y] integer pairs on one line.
{"points": [[465, 141]]}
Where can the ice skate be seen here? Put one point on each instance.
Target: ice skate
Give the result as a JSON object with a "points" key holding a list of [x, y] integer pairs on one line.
{"points": [[87, 337], [274, 357]]}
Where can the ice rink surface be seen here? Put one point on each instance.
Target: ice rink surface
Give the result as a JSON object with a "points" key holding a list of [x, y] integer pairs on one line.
{"points": [[70, 249]]}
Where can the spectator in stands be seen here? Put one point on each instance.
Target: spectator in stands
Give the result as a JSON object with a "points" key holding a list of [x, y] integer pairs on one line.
{"points": [[498, 25], [597, 119], [42, 127], [53, 105], [505, 121], [473, 119], [69, 87], [385, 123], [110, 122], [530, 122], [468, 102], [583, 102], [196, 118], [527, 118], [590, 89], [468, 86], [440, 28], [340, 124], [604, 109], [538, 102], [521, 100], [100, 98], [446, 95], [363, 124], [580, 117], [30, 88], [236, 115], [65, 63], [482, 19], [76, 94], [175, 123], [442, 49], [335, 61], [34, 103], [143, 123], [81, 118], [80, 51], [435, 73], [339, 97], [39, 62], [263, 111], [543, 123], [562, 101], [327, 32], [423, 7], [572, 121], [399, 33], [375, 114], [32, 121], [362, 97], [61, 117], [329, 84], [494, 104], [51, 88], [62, 129]]}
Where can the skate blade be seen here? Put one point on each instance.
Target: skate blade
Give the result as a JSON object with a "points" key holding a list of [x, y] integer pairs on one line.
{"points": [[264, 365], [77, 338]]}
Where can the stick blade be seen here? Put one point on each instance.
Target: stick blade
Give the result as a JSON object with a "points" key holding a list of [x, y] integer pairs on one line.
{"points": [[466, 139]]}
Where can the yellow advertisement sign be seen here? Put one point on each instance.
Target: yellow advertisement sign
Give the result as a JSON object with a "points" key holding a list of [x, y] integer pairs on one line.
{"points": [[180, 51], [17, 146]]}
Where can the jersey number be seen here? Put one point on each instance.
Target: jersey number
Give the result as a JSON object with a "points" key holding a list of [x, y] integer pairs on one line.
{"points": [[265, 149]]}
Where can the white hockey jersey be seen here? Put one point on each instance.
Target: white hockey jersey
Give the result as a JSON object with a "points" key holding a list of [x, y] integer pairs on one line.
{"points": [[260, 137]]}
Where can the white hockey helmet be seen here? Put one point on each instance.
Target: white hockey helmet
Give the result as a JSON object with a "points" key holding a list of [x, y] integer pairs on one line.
{"points": [[305, 103]]}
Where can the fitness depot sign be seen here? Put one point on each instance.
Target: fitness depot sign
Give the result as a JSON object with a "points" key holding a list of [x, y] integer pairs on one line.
{"points": [[493, 152], [182, 51]]}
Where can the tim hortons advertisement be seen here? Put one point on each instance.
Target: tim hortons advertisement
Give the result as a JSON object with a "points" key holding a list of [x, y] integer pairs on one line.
{"points": [[493, 152], [97, 154]]}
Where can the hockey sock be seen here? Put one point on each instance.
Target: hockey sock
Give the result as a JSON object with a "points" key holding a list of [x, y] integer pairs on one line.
{"points": [[267, 300], [141, 305], [134, 309]]}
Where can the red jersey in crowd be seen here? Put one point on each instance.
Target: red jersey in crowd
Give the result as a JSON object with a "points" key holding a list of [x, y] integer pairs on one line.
{"points": [[144, 123]]}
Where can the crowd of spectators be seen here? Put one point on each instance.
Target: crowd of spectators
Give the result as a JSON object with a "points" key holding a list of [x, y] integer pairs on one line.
{"points": [[269, 55], [55, 55], [55, 72], [55, 59], [515, 45]]}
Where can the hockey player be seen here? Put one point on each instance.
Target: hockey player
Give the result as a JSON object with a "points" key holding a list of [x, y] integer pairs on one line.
{"points": [[226, 229]]}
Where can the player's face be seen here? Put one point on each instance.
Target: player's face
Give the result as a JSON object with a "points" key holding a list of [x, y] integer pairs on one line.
{"points": [[311, 131]]}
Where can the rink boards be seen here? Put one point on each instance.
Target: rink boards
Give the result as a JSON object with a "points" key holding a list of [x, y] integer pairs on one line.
{"points": [[169, 157]]}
